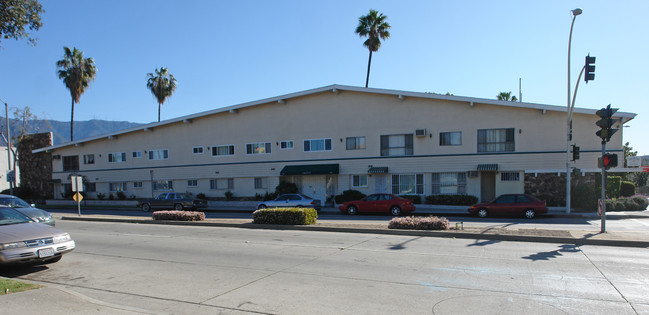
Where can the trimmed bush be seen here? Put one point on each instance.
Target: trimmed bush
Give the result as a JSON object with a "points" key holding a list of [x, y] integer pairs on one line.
{"points": [[584, 197], [641, 201], [635, 203], [452, 200], [349, 195], [613, 185], [416, 199], [286, 216], [627, 189], [179, 215], [201, 196], [419, 223], [285, 187]]}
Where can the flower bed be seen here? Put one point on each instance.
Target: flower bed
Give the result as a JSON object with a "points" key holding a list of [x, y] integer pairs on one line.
{"points": [[419, 223]]}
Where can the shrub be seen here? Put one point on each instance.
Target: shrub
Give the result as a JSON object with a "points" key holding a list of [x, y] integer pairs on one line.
{"points": [[111, 197], [641, 201], [121, 195], [101, 196], [288, 216], [584, 197], [349, 195], [613, 186], [228, 195], [285, 187], [627, 189], [201, 196], [268, 196], [453, 200], [179, 215], [416, 199], [419, 223]]}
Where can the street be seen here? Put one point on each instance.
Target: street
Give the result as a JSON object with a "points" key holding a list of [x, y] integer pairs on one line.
{"points": [[136, 268]]}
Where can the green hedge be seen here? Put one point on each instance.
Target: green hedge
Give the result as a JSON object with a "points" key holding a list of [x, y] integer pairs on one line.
{"points": [[635, 203], [584, 197], [453, 200], [288, 216], [627, 189], [613, 186], [416, 199], [179, 215], [349, 195]]}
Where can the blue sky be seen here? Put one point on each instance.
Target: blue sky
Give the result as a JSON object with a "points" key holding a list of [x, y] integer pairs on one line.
{"points": [[229, 52]]}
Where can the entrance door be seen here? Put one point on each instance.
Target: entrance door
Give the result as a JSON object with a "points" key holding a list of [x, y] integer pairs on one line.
{"points": [[315, 186], [380, 183], [487, 186]]}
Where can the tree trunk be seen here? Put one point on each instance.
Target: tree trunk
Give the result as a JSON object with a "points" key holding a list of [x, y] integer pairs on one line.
{"points": [[72, 122], [159, 105], [369, 63]]}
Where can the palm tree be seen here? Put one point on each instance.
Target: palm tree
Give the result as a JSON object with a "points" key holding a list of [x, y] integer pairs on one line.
{"points": [[374, 27], [507, 96], [76, 73], [162, 85]]}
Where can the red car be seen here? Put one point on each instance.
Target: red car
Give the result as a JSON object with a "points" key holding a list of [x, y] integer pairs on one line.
{"points": [[519, 204], [378, 203]]}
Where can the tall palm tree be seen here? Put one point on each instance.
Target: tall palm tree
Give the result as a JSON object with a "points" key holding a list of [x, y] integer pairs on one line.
{"points": [[507, 96], [77, 73], [374, 27], [162, 85]]}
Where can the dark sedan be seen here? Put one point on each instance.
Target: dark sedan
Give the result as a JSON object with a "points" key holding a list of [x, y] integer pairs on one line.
{"points": [[378, 203], [23, 207], [510, 204]]}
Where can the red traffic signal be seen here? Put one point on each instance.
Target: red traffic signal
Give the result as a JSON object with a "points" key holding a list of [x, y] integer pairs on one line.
{"points": [[609, 160]]}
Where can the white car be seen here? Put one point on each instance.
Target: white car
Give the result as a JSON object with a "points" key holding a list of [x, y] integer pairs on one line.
{"points": [[24, 241], [291, 201]]}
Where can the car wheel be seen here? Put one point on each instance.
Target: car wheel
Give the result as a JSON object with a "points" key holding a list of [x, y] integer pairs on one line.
{"points": [[352, 210], [395, 211], [178, 207], [146, 207], [530, 213], [483, 213], [261, 207]]}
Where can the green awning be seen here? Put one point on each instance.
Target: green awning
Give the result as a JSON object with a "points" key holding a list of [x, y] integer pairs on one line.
{"points": [[487, 167], [316, 169], [377, 170]]}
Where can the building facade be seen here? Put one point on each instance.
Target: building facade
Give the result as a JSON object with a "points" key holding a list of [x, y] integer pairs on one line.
{"points": [[334, 138]]}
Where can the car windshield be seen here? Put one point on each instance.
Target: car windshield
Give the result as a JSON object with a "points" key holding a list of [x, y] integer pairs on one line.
{"points": [[306, 197], [14, 203], [10, 216]]}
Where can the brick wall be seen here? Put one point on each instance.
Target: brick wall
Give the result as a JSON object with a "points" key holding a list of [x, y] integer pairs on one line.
{"points": [[36, 169]]}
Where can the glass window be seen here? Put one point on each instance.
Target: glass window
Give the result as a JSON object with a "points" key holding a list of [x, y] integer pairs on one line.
{"points": [[137, 154], [396, 145], [159, 154], [450, 138], [448, 183], [258, 148], [355, 143], [286, 145], [523, 199], [89, 159], [137, 185], [90, 187], [506, 199], [314, 145], [221, 150], [163, 185], [222, 183], [260, 183], [116, 157], [510, 176], [359, 181], [192, 183], [197, 150], [117, 186], [71, 163], [496, 140], [408, 184]]}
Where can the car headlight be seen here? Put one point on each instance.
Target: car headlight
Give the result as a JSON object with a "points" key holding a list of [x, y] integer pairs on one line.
{"points": [[12, 245], [61, 238]]}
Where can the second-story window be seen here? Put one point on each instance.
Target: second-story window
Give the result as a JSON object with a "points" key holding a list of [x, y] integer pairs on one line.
{"points": [[313, 145], [220, 150], [89, 159], [355, 143], [258, 148], [71, 163], [137, 154], [116, 157], [159, 154], [450, 138], [286, 145], [496, 140], [197, 150], [396, 145]]}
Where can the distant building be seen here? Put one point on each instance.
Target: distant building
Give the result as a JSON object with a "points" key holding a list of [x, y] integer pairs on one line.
{"points": [[330, 139], [4, 169]]}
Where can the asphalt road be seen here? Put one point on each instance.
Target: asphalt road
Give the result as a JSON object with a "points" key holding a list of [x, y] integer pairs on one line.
{"points": [[209, 270]]}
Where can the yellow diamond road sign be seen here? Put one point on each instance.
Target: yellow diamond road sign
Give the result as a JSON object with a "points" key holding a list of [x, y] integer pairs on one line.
{"points": [[77, 197]]}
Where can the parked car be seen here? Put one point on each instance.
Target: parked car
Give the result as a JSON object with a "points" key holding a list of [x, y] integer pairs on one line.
{"points": [[171, 200], [25, 208], [378, 203], [291, 201], [24, 241], [510, 204]]}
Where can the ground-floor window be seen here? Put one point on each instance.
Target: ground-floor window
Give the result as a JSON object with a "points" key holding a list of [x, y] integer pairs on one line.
{"points": [[137, 185], [117, 186], [359, 181], [408, 184], [90, 187], [510, 176], [192, 183], [261, 182], [449, 183], [163, 185], [222, 183]]}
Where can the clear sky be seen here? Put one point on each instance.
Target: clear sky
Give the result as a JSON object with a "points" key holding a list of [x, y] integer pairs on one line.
{"points": [[229, 52]]}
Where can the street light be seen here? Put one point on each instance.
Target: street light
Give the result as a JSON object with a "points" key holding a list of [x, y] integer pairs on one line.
{"points": [[575, 12]]}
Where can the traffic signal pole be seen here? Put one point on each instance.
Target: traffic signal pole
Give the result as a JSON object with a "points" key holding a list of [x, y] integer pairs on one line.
{"points": [[603, 218]]}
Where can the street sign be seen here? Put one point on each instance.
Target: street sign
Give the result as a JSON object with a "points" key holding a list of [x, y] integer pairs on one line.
{"points": [[600, 207], [77, 183], [11, 176], [77, 197]]}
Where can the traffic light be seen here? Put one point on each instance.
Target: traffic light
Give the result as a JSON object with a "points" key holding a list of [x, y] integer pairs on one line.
{"points": [[575, 152], [609, 160], [605, 123], [590, 68]]}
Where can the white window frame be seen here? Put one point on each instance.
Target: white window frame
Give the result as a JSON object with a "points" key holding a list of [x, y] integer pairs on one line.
{"points": [[88, 159], [359, 181], [445, 182], [389, 146], [117, 186], [137, 154], [215, 149], [510, 176], [113, 157], [398, 179], [192, 183], [138, 185], [197, 150], [324, 144], [268, 148], [158, 154], [287, 145]]}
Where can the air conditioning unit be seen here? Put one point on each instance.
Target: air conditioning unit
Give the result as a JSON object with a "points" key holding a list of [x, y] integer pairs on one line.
{"points": [[420, 132]]}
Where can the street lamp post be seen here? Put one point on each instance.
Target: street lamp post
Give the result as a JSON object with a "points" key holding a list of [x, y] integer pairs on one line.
{"points": [[575, 12]]}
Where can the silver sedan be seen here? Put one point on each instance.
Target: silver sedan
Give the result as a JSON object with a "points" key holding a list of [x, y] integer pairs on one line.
{"points": [[291, 201]]}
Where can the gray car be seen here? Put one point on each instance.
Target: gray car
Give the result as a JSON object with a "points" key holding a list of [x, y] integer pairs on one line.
{"points": [[24, 241], [291, 201], [23, 207]]}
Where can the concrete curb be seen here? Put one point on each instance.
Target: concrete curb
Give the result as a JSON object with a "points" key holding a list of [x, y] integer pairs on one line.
{"points": [[359, 228]]}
